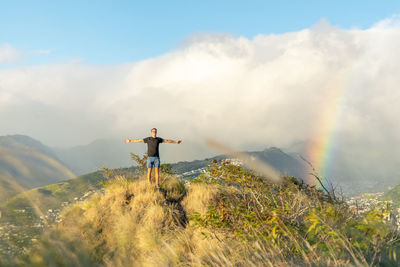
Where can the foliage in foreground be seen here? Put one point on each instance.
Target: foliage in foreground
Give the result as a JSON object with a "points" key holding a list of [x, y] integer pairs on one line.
{"points": [[229, 216], [303, 223]]}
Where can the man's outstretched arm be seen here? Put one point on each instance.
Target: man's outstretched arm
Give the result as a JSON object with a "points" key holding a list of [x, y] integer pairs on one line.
{"points": [[133, 140], [172, 141]]}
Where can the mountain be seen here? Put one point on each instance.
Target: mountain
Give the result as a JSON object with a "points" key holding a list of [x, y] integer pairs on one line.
{"points": [[284, 163], [114, 153], [353, 172], [26, 163], [288, 164], [84, 159]]}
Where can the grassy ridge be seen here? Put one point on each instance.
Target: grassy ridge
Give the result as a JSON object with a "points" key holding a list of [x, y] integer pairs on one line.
{"points": [[229, 216], [23, 217], [51, 196]]}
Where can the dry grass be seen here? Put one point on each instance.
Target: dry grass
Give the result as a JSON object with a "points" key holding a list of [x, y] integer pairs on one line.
{"points": [[200, 197], [134, 225]]}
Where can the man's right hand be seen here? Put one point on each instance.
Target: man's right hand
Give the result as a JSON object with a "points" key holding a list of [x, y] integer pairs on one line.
{"points": [[127, 140]]}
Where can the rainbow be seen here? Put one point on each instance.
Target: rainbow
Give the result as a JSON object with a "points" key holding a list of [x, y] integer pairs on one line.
{"points": [[320, 151]]}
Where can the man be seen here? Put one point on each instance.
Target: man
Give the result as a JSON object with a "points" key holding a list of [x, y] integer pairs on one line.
{"points": [[153, 156]]}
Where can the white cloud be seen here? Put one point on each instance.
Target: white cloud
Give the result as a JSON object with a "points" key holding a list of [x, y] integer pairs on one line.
{"points": [[8, 54], [270, 90]]}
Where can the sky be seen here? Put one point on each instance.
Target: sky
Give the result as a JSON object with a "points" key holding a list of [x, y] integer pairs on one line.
{"points": [[292, 74], [114, 32]]}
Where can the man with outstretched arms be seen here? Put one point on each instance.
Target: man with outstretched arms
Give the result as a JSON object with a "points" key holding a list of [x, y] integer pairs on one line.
{"points": [[153, 156]]}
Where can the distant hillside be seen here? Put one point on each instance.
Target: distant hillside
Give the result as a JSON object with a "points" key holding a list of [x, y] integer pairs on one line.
{"points": [[114, 153], [89, 158], [26, 163], [284, 163], [38, 201], [394, 195], [354, 175], [24, 216]]}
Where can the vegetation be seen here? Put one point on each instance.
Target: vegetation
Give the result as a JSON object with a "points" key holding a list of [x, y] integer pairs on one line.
{"points": [[24, 216], [301, 224], [51, 196], [393, 195], [229, 216]]}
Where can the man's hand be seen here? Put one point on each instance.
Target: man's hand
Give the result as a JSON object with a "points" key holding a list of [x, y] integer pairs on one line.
{"points": [[127, 141], [179, 141]]}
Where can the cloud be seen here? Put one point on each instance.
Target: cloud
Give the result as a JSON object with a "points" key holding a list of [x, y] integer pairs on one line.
{"points": [[275, 89], [8, 54]]}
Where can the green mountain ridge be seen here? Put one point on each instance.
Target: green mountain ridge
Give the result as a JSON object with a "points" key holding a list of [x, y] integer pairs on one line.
{"points": [[26, 163]]}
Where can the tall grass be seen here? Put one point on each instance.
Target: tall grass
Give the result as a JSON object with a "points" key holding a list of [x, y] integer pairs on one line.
{"points": [[229, 216]]}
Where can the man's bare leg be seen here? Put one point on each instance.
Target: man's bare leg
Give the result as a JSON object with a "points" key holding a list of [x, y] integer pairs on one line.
{"points": [[156, 170], [149, 175]]}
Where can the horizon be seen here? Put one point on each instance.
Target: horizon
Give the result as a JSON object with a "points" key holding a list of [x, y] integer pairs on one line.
{"points": [[143, 148]]}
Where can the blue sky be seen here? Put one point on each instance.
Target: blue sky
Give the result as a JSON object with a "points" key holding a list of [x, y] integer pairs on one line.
{"points": [[113, 32]]}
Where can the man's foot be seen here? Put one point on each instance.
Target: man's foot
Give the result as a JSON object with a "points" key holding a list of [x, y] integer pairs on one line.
{"points": [[157, 187]]}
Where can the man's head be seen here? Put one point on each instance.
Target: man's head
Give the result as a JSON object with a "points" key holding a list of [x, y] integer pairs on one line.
{"points": [[154, 132]]}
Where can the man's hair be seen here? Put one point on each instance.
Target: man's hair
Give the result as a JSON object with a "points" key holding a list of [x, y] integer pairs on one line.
{"points": [[153, 129]]}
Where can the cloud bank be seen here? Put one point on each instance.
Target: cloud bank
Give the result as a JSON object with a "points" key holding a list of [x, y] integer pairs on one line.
{"points": [[272, 90], [8, 54]]}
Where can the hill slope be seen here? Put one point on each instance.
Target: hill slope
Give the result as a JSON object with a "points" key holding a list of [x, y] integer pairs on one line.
{"points": [[26, 163], [393, 195], [115, 154], [284, 163], [29, 209], [24, 216], [89, 158], [228, 216], [53, 195]]}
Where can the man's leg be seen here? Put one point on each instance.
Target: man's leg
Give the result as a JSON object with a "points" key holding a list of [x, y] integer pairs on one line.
{"points": [[149, 174], [156, 170]]}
